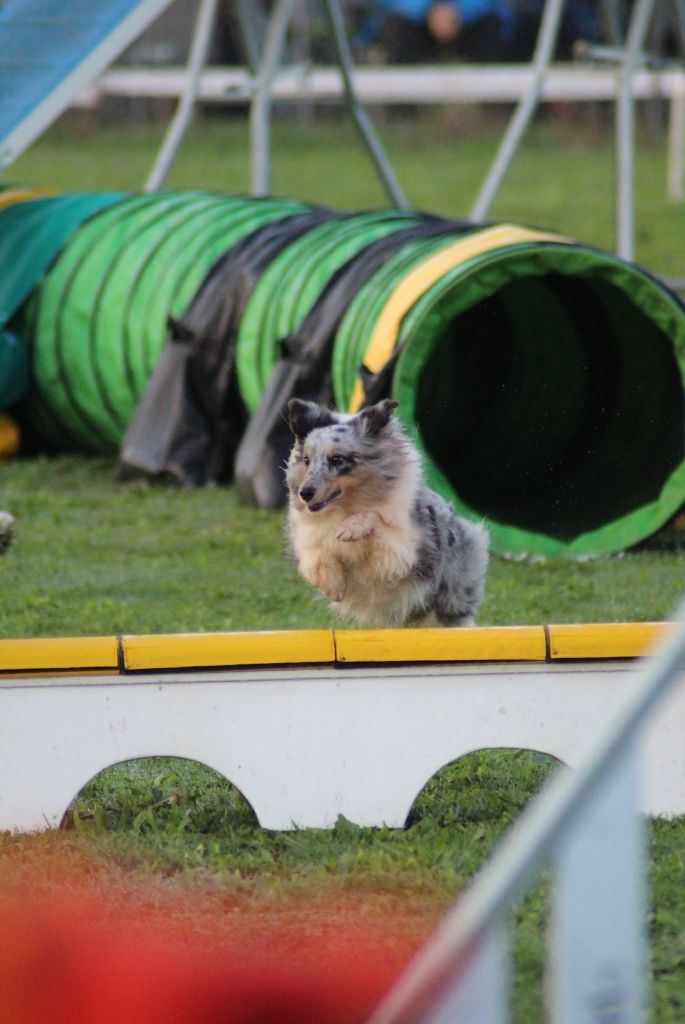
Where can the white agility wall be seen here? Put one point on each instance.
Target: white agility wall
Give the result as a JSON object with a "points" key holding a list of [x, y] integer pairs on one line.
{"points": [[305, 744]]}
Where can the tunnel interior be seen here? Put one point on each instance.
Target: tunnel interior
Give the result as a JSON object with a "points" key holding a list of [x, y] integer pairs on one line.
{"points": [[554, 404]]}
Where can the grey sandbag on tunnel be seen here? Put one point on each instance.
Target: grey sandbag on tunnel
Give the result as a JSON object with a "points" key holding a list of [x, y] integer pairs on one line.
{"points": [[545, 386], [187, 424]]}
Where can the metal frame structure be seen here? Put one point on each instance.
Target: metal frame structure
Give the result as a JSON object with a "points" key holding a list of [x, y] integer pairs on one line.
{"points": [[197, 59], [266, 61], [626, 53], [111, 27], [629, 55]]}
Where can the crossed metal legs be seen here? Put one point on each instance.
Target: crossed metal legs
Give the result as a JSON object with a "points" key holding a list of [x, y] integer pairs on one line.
{"points": [[268, 62]]}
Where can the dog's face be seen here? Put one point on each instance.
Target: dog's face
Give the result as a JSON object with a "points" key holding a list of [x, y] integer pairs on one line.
{"points": [[334, 453]]}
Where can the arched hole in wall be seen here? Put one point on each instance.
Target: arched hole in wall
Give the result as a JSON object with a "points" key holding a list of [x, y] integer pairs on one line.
{"points": [[487, 787], [159, 795]]}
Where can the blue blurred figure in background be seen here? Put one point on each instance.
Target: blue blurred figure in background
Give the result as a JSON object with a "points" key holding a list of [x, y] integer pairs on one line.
{"points": [[422, 32]]}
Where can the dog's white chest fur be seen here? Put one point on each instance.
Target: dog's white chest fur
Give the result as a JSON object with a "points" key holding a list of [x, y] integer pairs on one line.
{"points": [[360, 548]]}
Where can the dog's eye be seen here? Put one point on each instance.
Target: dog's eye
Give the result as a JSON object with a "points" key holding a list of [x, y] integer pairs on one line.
{"points": [[305, 459], [337, 461]]}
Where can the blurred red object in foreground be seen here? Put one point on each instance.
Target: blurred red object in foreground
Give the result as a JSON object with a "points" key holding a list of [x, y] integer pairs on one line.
{"points": [[57, 966]]}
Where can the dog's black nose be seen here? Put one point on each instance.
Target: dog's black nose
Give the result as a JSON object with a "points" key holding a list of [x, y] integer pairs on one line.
{"points": [[307, 493]]}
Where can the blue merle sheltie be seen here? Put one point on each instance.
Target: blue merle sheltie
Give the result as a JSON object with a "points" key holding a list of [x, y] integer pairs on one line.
{"points": [[368, 532]]}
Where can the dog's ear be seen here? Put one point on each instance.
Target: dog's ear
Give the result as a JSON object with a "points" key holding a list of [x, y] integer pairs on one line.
{"points": [[304, 417], [375, 417]]}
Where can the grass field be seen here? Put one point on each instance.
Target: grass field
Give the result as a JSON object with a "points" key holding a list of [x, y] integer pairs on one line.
{"points": [[94, 556]]}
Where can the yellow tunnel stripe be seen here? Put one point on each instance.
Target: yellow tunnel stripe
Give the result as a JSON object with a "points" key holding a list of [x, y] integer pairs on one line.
{"points": [[9, 196], [417, 281]]}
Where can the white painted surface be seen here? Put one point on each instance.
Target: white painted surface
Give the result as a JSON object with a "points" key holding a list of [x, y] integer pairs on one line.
{"points": [[305, 745]]}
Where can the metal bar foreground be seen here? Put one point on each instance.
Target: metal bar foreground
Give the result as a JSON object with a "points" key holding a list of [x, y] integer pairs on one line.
{"points": [[587, 824]]}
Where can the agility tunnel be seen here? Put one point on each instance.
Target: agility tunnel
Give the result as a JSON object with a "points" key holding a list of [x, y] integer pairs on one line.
{"points": [[541, 378]]}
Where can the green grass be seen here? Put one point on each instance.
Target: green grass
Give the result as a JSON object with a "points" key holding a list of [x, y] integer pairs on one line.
{"points": [[94, 556]]}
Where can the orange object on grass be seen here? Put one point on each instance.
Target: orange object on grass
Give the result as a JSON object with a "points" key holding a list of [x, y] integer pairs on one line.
{"points": [[59, 967]]}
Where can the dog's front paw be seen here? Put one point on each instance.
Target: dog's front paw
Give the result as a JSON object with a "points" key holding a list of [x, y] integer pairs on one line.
{"points": [[329, 578], [358, 527]]}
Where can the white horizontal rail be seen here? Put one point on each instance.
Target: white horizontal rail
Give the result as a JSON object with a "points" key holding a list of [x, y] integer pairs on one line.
{"points": [[536, 835], [412, 85]]}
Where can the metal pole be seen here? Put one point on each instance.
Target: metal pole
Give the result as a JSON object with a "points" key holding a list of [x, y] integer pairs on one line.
{"points": [[611, 16], [676, 114], [260, 106], [197, 58], [625, 128], [361, 119], [542, 56], [251, 23], [676, 140]]}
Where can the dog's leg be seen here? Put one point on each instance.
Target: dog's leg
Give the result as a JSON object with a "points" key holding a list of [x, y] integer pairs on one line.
{"points": [[325, 573], [431, 621], [360, 526]]}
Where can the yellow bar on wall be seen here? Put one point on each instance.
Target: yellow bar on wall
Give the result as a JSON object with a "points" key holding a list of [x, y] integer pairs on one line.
{"points": [[212, 650], [59, 654], [605, 640], [483, 643]]}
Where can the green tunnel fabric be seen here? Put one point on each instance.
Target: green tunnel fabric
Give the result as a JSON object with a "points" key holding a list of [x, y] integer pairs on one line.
{"points": [[289, 288], [545, 386], [31, 234], [100, 321], [543, 381], [15, 369]]}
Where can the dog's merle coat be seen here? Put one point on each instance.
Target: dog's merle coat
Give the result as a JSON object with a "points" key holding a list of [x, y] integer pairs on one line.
{"points": [[366, 529]]}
